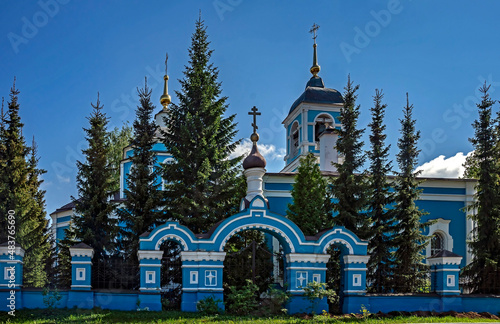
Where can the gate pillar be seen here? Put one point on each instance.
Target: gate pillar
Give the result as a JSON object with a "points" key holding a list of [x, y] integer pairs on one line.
{"points": [[354, 279], [302, 268], [201, 278], [150, 266]]}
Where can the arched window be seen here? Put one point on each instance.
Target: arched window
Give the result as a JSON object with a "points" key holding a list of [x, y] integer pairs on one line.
{"points": [[320, 125], [437, 243], [294, 139]]}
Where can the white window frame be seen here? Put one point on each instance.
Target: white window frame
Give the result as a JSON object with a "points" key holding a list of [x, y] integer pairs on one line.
{"points": [[356, 280], [193, 277], [80, 274], [151, 277]]}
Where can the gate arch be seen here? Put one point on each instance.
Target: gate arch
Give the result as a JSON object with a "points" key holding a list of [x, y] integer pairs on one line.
{"points": [[203, 256]]}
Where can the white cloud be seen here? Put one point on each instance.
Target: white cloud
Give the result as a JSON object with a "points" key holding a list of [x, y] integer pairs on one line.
{"points": [[442, 167], [269, 151]]}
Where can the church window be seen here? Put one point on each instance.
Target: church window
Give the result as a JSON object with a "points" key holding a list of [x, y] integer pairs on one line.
{"points": [[437, 243], [294, 145], [321, 122]]}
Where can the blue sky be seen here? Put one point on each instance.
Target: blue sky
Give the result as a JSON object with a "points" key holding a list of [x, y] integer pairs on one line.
{"points": [[65, 51]]}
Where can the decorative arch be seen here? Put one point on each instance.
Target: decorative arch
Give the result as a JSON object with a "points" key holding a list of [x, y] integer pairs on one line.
{"points": [[341, 235], [440, 227], [258, 217], [170, 231]]}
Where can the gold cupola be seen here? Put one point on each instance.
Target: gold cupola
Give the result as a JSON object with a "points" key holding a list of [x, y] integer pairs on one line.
{"points": [[165, 98], [315, 68]]}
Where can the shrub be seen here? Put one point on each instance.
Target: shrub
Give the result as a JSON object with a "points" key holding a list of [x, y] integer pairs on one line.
{"points": [[209, 306], [243, 301]]}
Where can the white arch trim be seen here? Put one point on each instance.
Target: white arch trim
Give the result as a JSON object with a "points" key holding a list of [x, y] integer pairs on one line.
{"points": [[257, 226], [341, 241], [442, 226], [171, 237], [170, 226]]}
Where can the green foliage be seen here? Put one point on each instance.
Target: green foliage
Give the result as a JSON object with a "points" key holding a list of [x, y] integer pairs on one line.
{"points": [[278, 298], [315, 291], [94, 225], [311, 203], [209, 306], [117, 139], [485, 242], [382, 218], [204, 184], [20, 193], [409, 242], [141, 210], [471, 165], [243, 301], [350, 188]]}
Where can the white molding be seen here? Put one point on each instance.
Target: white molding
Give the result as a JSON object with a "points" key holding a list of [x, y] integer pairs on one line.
{"points": [[4, 250], [352, 259], [305, 268], [449, 291], [149, 254], [442, 227], [307, 257], [81, 252], [81, 286], [150, 265], [445, 260], [81, 262], [355, 291], [447, 270], [202, 256], [203, 289]]}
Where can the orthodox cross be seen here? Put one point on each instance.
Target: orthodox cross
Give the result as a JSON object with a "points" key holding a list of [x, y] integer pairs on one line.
{"points": [[254, 113], [313, 31], [166, 60]]}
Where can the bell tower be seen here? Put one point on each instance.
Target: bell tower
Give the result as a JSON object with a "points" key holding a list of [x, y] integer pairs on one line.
{"points": [[316, 109]]}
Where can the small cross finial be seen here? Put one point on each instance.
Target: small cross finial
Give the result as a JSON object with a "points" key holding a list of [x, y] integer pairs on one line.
{"points": [[254, 113], [166, 61], [313, 31]]}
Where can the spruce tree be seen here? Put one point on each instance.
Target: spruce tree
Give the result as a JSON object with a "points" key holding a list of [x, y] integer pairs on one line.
{"points": [[20, 193], [349, 188], [37, 243], [380, 198], [14, 172], [94, 224], [141, 210], [409, 242], [482, 272], [203, 183], [310, 209]]}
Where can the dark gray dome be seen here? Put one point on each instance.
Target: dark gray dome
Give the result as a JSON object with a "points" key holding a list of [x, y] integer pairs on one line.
{"points": [[254, 159], [317, 93]]}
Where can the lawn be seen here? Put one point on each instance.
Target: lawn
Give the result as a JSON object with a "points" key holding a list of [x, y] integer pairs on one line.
{"points": [[106, 316]]}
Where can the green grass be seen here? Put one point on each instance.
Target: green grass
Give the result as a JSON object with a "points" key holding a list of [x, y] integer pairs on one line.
{"points": [[105, 316]]}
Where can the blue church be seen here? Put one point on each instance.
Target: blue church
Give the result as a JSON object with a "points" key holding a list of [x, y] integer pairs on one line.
{"points": [[310, 127]]}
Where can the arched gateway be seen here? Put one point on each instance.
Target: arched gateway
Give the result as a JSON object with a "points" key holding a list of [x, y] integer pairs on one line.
{"points": [[203, 254]]}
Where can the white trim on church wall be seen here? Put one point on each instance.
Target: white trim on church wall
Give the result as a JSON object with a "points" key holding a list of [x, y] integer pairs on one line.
{"points": [[442, 227]]}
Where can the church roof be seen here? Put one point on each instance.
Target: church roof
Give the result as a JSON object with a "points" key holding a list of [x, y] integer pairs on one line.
{"points": [[317, 93]]}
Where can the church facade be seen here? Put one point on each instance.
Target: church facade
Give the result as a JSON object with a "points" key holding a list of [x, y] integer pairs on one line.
{"points": [[310, 127]]}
